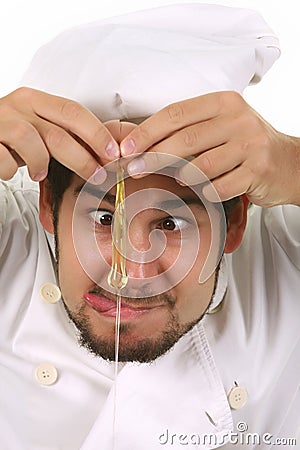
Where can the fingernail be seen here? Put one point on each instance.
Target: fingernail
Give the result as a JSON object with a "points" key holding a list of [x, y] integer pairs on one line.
{"points": [[136, 167], [112, 150], [128, 147], [40, 176], [211, 194], [179, 178], [99, 176]]}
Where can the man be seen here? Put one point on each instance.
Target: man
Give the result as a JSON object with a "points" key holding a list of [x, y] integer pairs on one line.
{"points": [[232, 367]]}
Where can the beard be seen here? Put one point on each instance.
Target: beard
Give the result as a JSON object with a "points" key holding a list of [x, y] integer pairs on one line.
{"points": [[143, 350]]}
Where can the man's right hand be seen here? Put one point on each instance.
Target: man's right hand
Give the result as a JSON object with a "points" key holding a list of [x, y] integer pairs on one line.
{"points": [[35, 125]]}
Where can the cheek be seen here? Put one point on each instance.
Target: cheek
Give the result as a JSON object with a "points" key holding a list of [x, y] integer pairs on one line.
{"points": [[72, 278], [84, 251], [194, 297], [189, 254]]}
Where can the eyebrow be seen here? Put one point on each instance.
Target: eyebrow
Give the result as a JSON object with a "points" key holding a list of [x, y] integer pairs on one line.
{"points": [[179, 203], [93, 190]]}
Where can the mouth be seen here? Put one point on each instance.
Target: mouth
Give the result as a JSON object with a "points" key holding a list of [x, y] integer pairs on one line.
{"points": [[107, 307]]}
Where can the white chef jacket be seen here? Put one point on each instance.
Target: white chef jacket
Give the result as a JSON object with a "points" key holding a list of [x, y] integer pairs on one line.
{"points": [[244, 354]]}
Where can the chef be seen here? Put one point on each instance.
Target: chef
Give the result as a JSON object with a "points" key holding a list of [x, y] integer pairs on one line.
{"points": [[204, 364]]}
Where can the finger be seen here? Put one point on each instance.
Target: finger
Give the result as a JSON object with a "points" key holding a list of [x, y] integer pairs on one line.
{"points": [[119, 130], [195, 139], [23, 138], [17, 158], [74, 117], [150, 162], [8, 165], [184, 144], [65, 149], [214, 163], [170, 119], [230, 185]]}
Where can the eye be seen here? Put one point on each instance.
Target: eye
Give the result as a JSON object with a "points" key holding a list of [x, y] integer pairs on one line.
{"points": [[102, 217], [173, 223]]}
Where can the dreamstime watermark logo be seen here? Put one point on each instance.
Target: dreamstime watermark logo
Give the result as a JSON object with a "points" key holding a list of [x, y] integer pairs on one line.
{"points": [[240, 437], [164, 198]]}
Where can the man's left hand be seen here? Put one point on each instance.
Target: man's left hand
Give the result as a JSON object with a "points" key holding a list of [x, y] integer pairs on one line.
{"points": [[230, 143]]}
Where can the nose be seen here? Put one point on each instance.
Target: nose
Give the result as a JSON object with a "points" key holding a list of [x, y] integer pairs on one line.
{"points": [[143, 255], [142, 270]]}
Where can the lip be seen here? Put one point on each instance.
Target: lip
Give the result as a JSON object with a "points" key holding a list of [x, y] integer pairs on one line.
{"points": [[108, 307]]}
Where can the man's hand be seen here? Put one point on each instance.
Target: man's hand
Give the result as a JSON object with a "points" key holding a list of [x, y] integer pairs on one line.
{"points": [[35, 125], [232, 145]]}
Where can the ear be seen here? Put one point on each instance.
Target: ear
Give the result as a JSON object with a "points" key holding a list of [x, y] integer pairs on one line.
{"points": [[237, 221], [46, 215]]}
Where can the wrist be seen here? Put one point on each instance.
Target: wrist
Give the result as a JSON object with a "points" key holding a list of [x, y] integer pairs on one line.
{"points": [[294, 150]]}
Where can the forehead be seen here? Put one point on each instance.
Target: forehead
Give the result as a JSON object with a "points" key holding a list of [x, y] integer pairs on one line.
{"points": [[153, 184]]}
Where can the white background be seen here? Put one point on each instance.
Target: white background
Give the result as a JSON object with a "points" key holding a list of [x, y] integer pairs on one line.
{"points": [[26, 24]]}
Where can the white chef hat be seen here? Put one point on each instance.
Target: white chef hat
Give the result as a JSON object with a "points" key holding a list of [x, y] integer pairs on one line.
{"points": [[129, 67]]}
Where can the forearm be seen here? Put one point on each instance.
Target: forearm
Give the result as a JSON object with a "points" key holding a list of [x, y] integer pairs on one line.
{"points": [[293, 149]]}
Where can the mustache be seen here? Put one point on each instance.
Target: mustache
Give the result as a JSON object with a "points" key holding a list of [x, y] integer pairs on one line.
{"points": [[144, 300]]}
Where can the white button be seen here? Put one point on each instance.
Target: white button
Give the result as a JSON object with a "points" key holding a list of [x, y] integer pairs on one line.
{"points": [[50, 293], [45, 374], [237, 397]]}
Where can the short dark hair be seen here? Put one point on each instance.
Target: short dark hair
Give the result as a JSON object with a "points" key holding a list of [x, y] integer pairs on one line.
{"points": [[60, 177]]}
